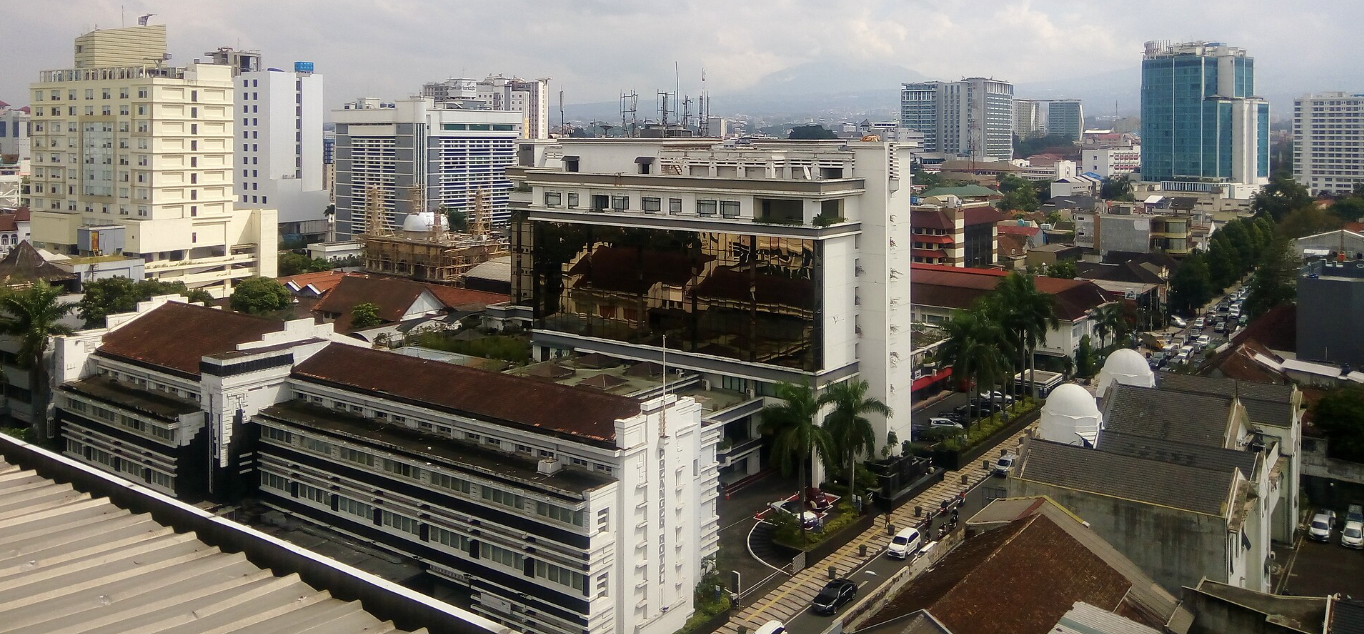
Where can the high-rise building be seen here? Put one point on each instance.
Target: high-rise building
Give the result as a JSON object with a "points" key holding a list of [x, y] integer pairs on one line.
{"points": [[1201, 122], [769, 262], [414, 149], [137, 159], [1328, 142], [14, 139], [279, 153], [1029, 118], [1037, 117], [530, 97], [972, 117]]}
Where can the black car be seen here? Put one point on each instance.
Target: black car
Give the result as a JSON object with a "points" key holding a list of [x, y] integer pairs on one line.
{"points": [[833, 596]]}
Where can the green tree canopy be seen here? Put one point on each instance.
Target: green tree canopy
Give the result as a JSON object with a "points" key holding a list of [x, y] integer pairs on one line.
{"points": [[1280, 197], [33, 316], [795, 433], [1116, 188], [1275, 280], [365, 315], [296, 263], [813, 131], [1190, 285], [1063, 269], [849, 430], [1019, 194], [1340, 413], [115, 295], [1306, 221], [1349, 208], [259, 295]]}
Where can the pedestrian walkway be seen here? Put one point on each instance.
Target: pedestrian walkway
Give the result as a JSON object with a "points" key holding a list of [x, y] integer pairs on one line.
{"points": [[793, 596]]}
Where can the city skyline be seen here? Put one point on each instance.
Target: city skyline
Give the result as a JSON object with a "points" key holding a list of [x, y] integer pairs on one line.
{"points": [[392, 48]]}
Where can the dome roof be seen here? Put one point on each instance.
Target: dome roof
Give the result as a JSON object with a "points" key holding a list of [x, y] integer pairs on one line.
{"points": [[419, 222], [1070, 416], [1127, 367]]}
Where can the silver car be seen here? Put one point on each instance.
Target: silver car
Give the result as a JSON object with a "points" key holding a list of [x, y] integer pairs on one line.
{"points": [[1322, 524]]}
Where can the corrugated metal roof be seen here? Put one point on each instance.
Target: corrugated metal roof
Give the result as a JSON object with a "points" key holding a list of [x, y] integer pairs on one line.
{"points": [[71, 563]]}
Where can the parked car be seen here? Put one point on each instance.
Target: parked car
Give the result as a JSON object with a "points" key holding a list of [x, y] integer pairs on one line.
{"points": [[818, 500], [1178, 321], [1354, 513], [904, 544], [1198, 323], [1352, 536], [1203, 341], [833, 596], [1003, 466], [997, 396], [793, 508], [943, 422], [1220, 328], [1322, 523]]}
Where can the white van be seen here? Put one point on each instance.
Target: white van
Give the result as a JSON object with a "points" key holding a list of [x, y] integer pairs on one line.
{"points": [[904, 544], [771, 627]]}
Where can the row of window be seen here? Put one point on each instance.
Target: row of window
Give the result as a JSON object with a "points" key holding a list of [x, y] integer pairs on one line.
{"points": [[456, 541], [445, 481], [110, 416], [105, 93], [120, 465], [648, 204]]}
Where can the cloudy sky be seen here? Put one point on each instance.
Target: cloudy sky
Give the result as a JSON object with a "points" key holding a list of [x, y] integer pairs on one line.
{"points": [[595, 48]]}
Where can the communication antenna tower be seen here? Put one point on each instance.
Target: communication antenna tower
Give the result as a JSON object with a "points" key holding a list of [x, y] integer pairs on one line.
{"points": [[629, 123]]}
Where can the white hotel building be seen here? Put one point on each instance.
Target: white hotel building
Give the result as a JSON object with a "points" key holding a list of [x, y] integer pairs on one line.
{"points": [[562, 510], [1328, 142], [775, 261]]}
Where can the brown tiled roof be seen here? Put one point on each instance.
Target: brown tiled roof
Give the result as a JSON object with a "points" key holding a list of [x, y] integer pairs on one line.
{"points": [[982, 215], [176, 336], [1277, 329], [953, 287], [24, 265], [392, 295], [23, 214], [323, 281], [1018, 230], [930, 219], [536, 406], [1019, 579], [463, 298], [1012, 244], [8, 223]]}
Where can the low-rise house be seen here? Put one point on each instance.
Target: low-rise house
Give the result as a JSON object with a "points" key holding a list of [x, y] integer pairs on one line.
{"points": [[949, 232], [398, 300], [1025, 564]]}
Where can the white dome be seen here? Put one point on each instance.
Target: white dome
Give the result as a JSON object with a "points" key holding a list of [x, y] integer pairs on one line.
{"points": [[1127, 367], [419, 222], [1070, 416]]}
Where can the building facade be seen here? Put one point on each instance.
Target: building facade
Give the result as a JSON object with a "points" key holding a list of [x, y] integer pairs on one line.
{"points": [[530, 97], [560, 510], [14, 141], [1328, 142], [279, 151], [1028, 117], [1201, 120], [138, 160], [778, 261], [973, 117], [1111, 161], [418, 150], [1038, 117]]}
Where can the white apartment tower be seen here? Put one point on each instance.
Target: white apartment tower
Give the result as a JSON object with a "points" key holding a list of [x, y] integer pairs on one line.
{"points": [[447, 156], [279, 148], [1328, 142], [530, 97], [135, 157], [973, 117], [779, 261]]}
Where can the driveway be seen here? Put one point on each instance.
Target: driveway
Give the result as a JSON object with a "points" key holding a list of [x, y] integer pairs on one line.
{"points": [[1316, 569], [736, 510]]}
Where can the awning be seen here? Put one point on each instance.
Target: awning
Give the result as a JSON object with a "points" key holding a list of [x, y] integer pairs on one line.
{"points": [[644, 160], [926, 381], [934, 239], [931, 254]]}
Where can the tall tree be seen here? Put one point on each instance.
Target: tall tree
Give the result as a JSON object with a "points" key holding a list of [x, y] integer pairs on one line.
{"points": [[1306, 221], [1063, 269], [847, 426], [1275, 280], [1109, 318], [1116, 188], [976, 346], [257, 295], [1030, 315], [1190, 285], [33, 316], [1280, 197], [796, 434]]}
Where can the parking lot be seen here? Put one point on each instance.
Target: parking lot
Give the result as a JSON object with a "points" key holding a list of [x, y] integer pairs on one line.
{"points": [[1316, 569]]}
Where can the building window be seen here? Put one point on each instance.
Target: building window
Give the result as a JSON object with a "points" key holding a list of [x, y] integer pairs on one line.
{"points": [[402, 469], [572, 200], [553, 199], [651, 204], [620, 203], [401, 522], [450, 482], [505, 498], [729, 208], [315, 445], [276, 434], [559, 513], [560, 575], [493, 552], [706, 207], [358, 457], [274, 481], [355, 507], [450, 538]]}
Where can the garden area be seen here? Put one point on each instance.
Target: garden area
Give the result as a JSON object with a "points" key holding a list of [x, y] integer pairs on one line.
{"points": [[711, 599], [984, 428], [789, 535]]}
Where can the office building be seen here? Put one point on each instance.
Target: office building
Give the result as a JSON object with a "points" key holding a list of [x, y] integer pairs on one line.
{"points": [[137, 160], [1328, 142], [1041, 117], [1201, 124], [973, 117], [279, 147], [416, 151], [14, 141], [767, 262], [1029, 118], [951, 232], [558, 509], [530, 97], [1109, 162]]}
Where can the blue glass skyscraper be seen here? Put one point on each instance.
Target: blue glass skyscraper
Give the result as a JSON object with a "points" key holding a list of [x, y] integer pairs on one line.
{"points": [[1200, 118]]}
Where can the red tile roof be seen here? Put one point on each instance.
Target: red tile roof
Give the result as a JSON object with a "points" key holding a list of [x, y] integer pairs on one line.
{"points": [[1018, 230], [955, 287], [930, 219], [1045, 569], [8, 223], [175, 336], [525, 403], [22, 214], [392, 295], [930, 239], [1012, 244], [982, 215], [322, 281], [1277, 329], [463, 298]]}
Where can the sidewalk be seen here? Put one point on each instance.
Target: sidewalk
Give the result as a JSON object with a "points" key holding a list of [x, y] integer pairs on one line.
{"points": [[793, 596]]}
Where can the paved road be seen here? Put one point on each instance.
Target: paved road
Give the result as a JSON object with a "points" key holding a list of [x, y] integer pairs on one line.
{"points": [[1316, 569], [736, 520], [790, 600]]}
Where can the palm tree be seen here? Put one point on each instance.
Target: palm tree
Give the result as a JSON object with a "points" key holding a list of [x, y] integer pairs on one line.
{"points": [[33, 316], [975, 345], [1033, 313], [1109, 318], [847, 425], [795, 433]]}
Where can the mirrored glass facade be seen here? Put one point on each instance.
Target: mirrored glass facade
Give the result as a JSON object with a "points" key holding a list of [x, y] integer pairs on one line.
{"points": [[742, 297]]}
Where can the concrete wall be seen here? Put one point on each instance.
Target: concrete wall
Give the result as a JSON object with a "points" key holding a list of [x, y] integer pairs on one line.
{"points": [[1176, 548], [1328, 328]]}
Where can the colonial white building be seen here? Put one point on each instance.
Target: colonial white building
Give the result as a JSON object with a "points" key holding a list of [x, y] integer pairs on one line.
{"points": [[775, 261], [1328, 142], [562, 510]]}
